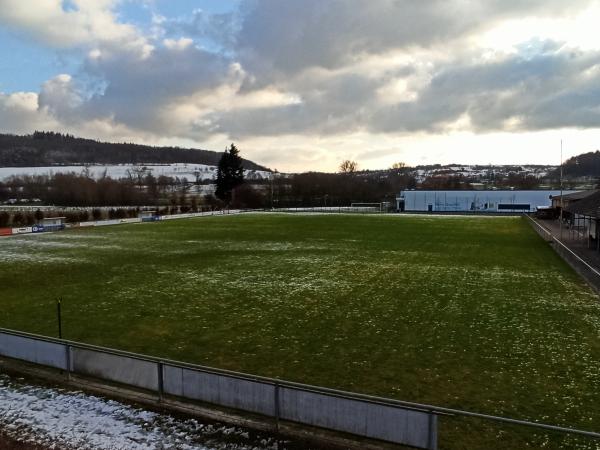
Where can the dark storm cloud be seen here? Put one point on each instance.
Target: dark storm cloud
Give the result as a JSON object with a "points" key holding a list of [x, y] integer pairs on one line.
{"points": [[288, 36]]}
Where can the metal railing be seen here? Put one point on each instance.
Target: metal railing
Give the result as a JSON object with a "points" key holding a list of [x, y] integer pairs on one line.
{"points": [[363, 415], [543, 232], [360, 415], [331, 209], [582, 267]]}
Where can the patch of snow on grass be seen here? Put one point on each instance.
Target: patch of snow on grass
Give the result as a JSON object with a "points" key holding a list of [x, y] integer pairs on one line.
{"points": [[14, 257], [59, 418]]}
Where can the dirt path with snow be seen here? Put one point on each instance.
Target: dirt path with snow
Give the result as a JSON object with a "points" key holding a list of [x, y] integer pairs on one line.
{"points": [[34, 417]]}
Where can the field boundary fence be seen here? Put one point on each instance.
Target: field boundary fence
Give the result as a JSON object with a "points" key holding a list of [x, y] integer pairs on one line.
{"points": [[542, 231], [276, 400], [100, 223], [589, 273], [364, 416], [364, 209]]}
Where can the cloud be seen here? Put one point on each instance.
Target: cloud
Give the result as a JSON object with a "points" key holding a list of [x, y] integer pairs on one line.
{"points": [[552, 87], [217, 30], [138, 90], [69, 24], [59, 96], [19, 113], [314, 71], [326, 104], [520, 92], [286, 36]]}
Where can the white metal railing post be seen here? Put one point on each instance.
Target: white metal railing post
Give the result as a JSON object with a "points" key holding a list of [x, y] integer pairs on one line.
{"points": [[432, 431], [276, 408], [68, 361], [161, 382]]}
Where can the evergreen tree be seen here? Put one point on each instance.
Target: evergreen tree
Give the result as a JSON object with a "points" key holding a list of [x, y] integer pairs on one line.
{"points": [[230, 173]]}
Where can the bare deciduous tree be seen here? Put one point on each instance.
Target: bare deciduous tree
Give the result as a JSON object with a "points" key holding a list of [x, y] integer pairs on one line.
{"points": [[348, 166]]}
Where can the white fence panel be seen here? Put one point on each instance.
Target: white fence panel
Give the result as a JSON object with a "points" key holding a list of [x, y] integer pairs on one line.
{"points": [[122, 369], [39, 352], [357, 417], [238, 393]]}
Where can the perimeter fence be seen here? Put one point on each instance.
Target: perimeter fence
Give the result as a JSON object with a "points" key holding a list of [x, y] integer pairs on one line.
{"points": [[583, 268], [364, 416]]}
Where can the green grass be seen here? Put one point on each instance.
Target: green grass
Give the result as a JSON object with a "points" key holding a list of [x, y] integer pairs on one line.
{"points": [[473, 313]]}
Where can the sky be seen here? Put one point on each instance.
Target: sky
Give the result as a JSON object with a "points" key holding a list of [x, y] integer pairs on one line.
{"points": [[302, 85]]}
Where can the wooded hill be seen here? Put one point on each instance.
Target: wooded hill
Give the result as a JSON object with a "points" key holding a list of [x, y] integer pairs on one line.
{"points": [[49, 149], [584, 165]]}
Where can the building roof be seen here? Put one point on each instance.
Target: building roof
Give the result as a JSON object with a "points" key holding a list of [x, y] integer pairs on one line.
{"points": [[579, 195], [588, 206]]}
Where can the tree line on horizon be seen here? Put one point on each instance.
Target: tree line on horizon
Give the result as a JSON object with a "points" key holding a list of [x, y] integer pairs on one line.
{"points": [[348, 185], [47, 148]]}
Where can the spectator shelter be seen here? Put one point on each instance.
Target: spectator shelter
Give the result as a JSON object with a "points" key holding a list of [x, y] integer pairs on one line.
{"points": [[569, 199], [584, 216]]}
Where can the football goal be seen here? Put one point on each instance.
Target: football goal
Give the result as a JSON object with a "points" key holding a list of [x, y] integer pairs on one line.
{"points": [[367, 207]]}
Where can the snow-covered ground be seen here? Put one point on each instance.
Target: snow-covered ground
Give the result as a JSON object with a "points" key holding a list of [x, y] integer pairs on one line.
{"points": [[59, 418], [181, 170]]}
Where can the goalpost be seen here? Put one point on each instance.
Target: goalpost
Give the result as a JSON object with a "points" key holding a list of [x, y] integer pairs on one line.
{"points": [[367, 207]]}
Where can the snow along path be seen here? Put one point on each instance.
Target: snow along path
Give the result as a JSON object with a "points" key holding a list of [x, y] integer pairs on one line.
{"points": [[59, 418]]}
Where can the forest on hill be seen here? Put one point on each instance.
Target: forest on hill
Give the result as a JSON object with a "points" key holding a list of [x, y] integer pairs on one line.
{"points": [[584, 165], [49, 149]]}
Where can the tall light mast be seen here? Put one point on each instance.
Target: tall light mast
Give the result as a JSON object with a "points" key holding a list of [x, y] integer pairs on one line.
{"points": [[561, 190]]}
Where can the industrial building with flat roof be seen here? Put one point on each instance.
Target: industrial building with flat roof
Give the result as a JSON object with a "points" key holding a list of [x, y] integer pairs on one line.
{"points": [[488, 201]]}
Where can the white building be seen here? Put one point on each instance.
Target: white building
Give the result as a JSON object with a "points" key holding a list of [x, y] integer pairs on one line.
{"points": [[475, 201]]}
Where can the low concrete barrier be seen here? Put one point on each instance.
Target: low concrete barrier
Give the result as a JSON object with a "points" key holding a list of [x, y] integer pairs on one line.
{"points": [[590, 274], [274, 399], [365, 416], [237, 393], [383, 422], [542, 232], [586, 271], [45, 353], [121, 369]]}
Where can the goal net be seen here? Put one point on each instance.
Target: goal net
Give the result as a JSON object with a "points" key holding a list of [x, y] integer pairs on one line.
{"points": [[366, 207]]}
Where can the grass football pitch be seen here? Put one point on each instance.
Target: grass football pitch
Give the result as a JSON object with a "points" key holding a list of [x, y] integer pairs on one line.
{"points": [[476, 313]]}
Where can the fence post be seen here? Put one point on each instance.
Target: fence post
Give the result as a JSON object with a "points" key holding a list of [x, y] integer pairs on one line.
{"points": [[68, 361], [161, 384], [276, 409], [432, 432], [59, 316]]}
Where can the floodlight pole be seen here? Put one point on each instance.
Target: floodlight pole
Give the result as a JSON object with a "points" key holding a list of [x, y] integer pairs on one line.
{"points": [[272, 177], [561, 190]]}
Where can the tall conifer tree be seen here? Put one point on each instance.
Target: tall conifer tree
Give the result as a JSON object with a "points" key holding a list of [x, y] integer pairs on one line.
{"points": [[230, 173]]}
